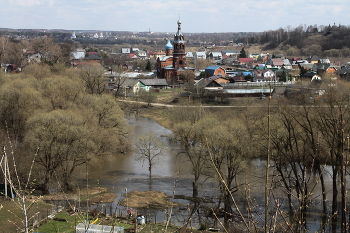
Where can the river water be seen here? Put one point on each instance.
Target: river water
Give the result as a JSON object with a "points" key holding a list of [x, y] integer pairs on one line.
{"points": [[124, 174], [172, 175]]}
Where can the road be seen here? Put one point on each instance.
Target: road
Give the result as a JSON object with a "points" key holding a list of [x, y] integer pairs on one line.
{"points": [[188, 106]]}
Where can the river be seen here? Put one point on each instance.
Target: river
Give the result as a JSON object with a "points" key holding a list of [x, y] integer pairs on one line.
{"points": [[123, 174]]}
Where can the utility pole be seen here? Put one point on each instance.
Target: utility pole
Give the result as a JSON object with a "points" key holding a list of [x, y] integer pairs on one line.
{"points": [[343, 176], [267, 165], [5, 169]]}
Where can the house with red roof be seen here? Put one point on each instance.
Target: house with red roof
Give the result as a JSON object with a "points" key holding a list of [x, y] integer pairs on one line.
{"points": [[246, 61], [132, 56]]}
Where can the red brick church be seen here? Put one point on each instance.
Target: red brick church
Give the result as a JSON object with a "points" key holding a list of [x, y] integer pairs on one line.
{"points": [[174, 63]]}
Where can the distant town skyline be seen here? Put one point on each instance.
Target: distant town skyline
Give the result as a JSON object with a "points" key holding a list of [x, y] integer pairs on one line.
{"points": [[161, 16]]}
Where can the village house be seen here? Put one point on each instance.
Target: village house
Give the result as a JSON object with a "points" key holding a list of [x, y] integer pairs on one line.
{"points": [[286, 64], [215, 71], [246, 61], [132, 56], [125, 50], [147, 84], [215, 55], [344, 73], [78, 54], [219, 79], [308, 66], [158, 54], [314, 59], [230, 53], [34, 57], [324, 61], [189, 55], [208, 84], [127, 67], [275, 62], [141, 54], [90, 60], [326, 69], [200, 55], [130, 87], [264, 76], [310, 76]]}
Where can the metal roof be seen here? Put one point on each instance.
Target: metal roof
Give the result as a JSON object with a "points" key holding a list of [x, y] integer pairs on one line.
{"points": [[248, 91]]}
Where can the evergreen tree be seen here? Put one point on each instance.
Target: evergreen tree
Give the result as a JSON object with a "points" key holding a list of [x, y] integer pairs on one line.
{"points": [[284, 77], [302, 71], [242, 54], [203, 74], [148, 66]]}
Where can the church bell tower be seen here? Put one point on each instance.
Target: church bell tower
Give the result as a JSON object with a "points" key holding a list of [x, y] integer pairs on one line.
{"points": [[179, 52]]}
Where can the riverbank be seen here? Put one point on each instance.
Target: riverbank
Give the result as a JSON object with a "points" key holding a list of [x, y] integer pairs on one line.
{"points": [[160, 114]]}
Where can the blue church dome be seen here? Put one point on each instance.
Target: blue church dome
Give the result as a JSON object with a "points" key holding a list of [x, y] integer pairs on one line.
{"points": [[168, 45]]}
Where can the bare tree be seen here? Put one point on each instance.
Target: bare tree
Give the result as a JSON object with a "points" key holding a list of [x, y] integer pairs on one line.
{"points": [[192, 137], [92, 75], [150, 148], [119, 81]]}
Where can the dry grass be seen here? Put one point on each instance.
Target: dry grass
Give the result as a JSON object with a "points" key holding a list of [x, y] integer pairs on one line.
{"points": [[159, 114], [95, 195], [148, 199]]}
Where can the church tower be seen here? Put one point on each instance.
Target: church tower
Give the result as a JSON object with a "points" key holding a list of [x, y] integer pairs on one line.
{"points": [[171, 66], [179, 53]]}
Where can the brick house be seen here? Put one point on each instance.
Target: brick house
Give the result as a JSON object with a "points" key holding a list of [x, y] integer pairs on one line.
{"points": [[215, 71]]}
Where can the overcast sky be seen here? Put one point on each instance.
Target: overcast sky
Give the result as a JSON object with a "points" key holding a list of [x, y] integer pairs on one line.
{"points": [[161, 16]]}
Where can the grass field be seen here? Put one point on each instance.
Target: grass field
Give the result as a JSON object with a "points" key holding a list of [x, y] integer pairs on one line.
{"points": [[11, 215]]}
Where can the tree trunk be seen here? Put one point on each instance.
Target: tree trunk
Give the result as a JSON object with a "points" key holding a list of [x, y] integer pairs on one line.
{"points": [[67, 185], [150, 169], [227, 208], [334, 200], [45, 185], [324, 195], [195, 189]]}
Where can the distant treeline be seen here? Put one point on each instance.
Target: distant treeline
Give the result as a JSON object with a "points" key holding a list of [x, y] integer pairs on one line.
{"points": [[303, 40], [320, 40]]}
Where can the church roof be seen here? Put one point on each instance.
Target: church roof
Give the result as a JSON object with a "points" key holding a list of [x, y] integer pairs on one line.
{"points": [[178, 37], [164, 58], [168, 45], [179, 33]]}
